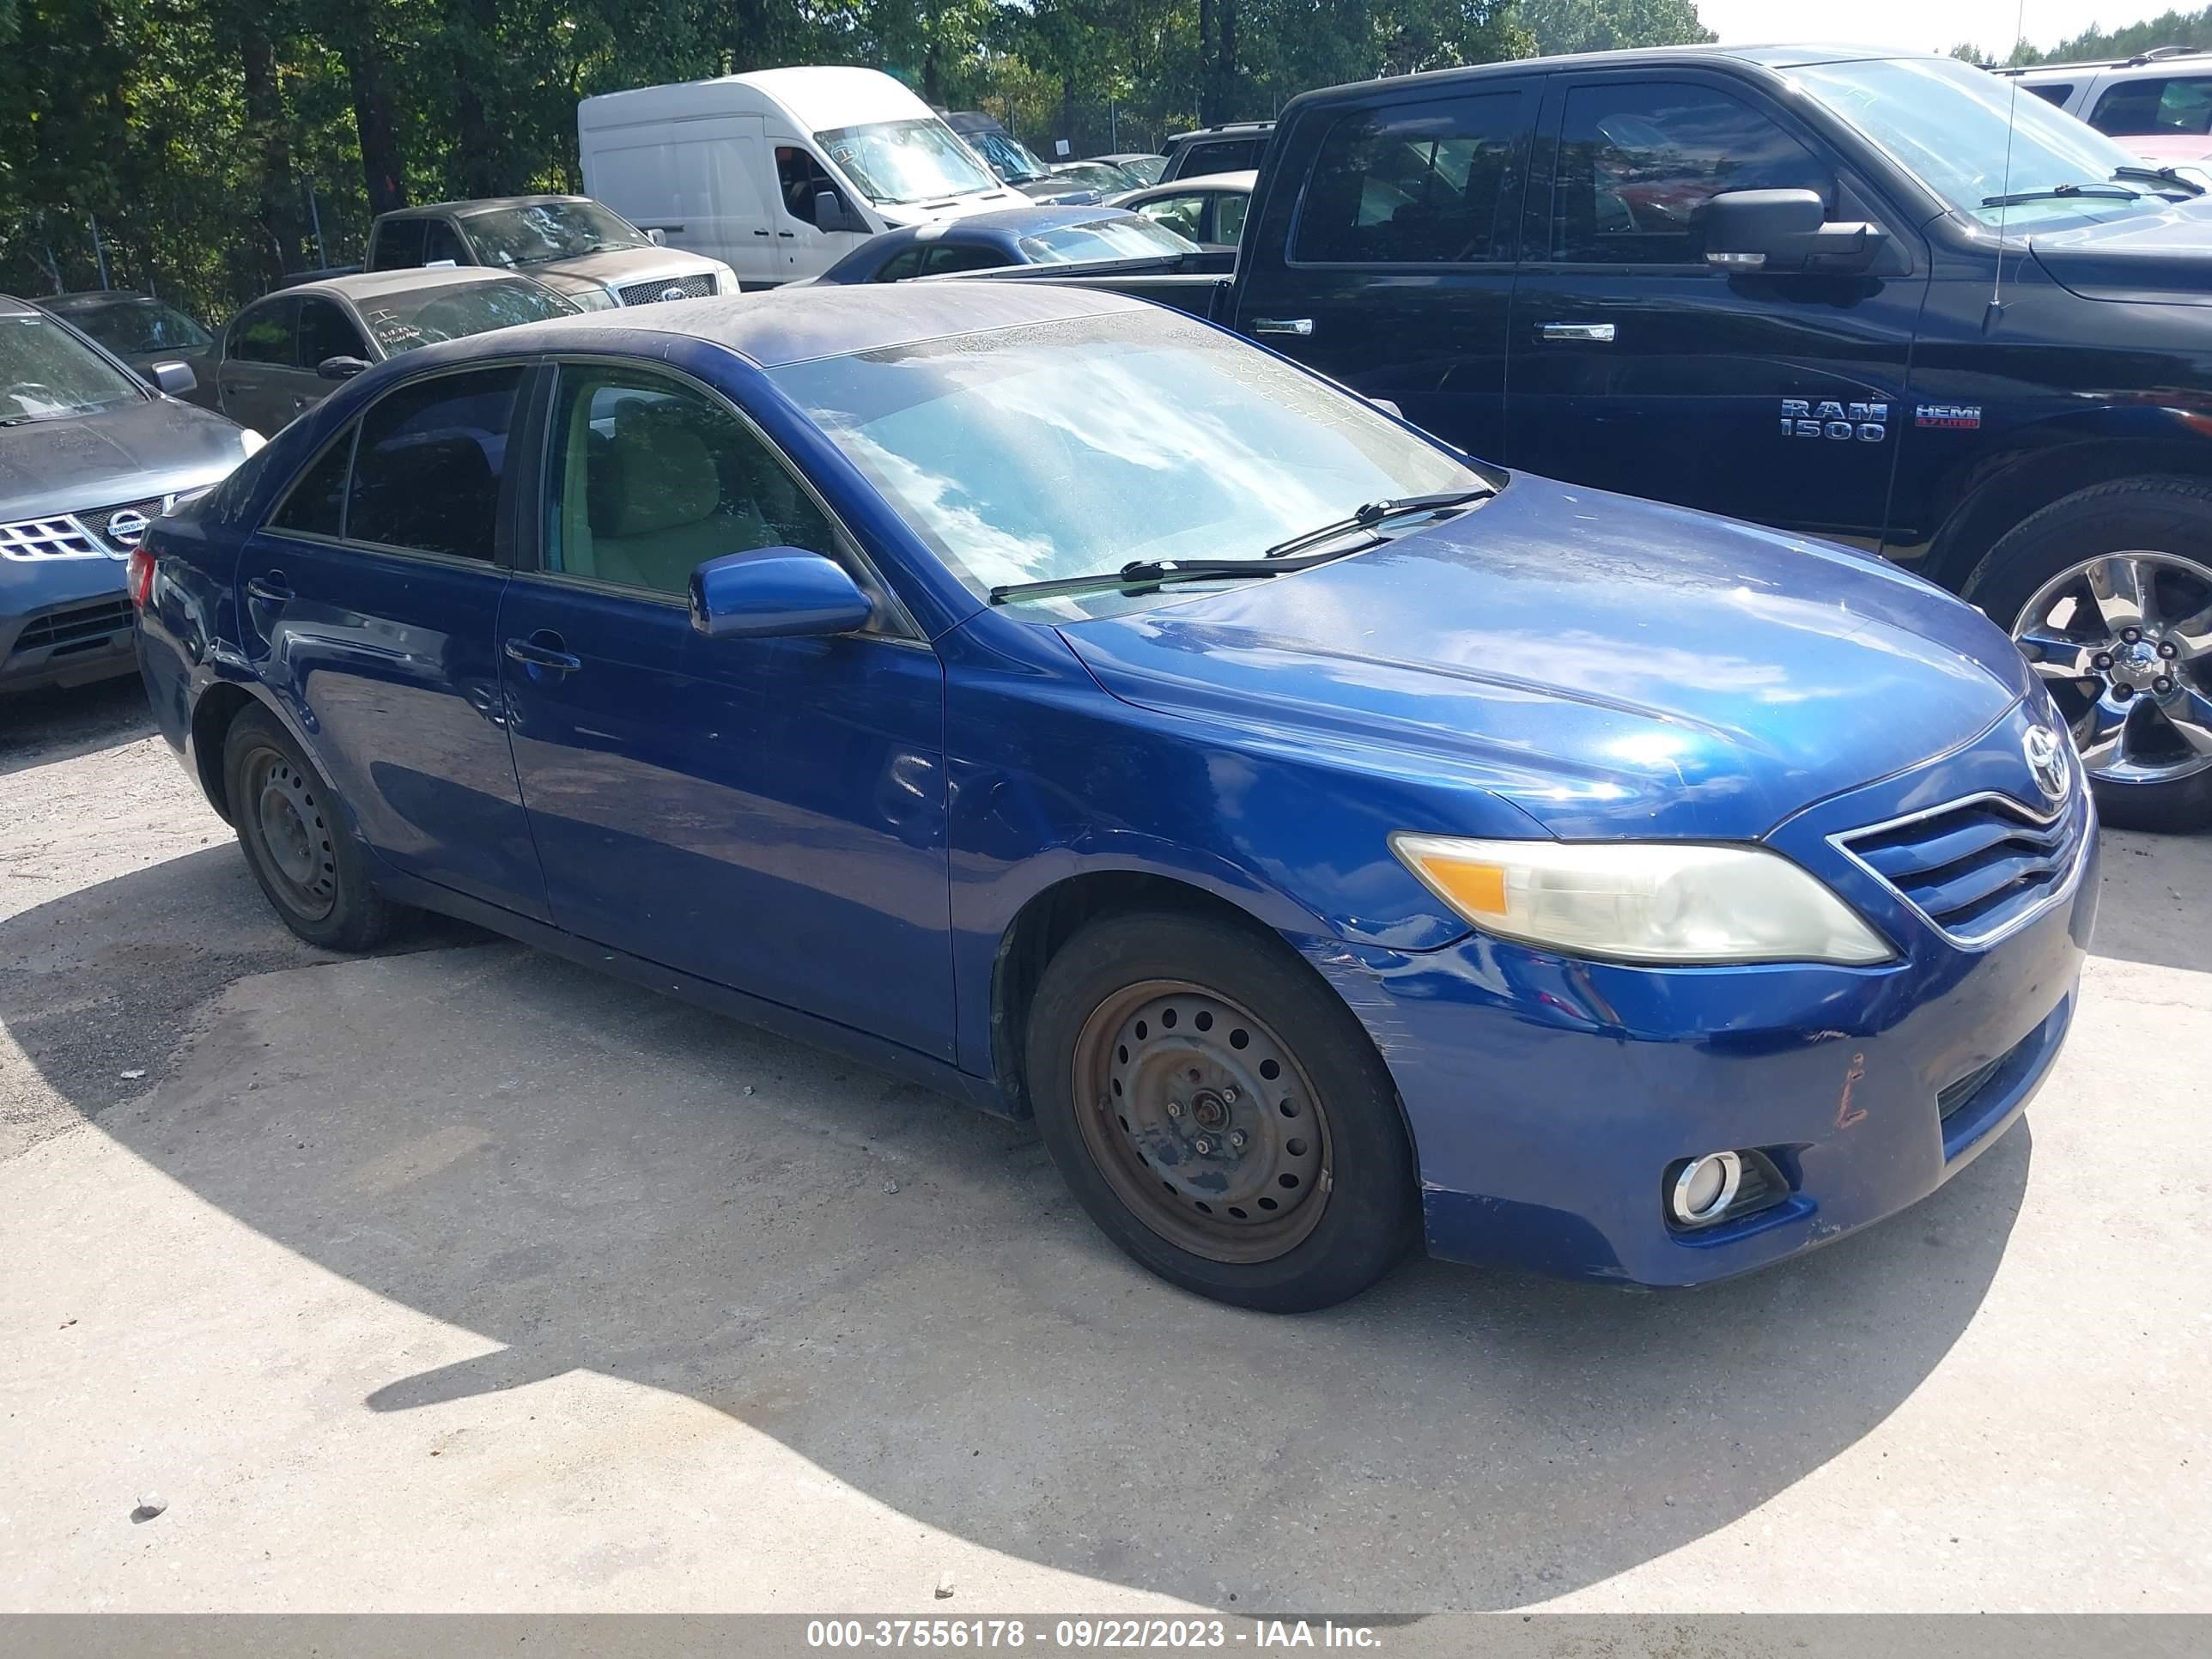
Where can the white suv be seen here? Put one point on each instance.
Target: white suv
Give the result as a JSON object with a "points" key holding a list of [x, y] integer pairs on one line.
{"points": [[2159, 103]]}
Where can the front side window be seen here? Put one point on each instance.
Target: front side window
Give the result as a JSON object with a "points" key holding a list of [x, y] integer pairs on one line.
{"points": [[944, 258], [401, 322], [46, 372], [650, 478], [1411, 184], [1223, 155], [266, 333], [891, 162], [1183, 215], [441, 245], [326, 331], [899, 266], [1637, 162], [426, 472], [1069, 447], [2179, 104], [1229, 210], [1969, 138], [545, 230]]}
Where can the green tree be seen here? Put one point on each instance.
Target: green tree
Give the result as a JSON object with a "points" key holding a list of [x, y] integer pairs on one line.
{"points": [[1561, 25]]}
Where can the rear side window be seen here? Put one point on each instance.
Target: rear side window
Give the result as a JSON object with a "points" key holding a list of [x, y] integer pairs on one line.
{"points": [[899, 266], [2180, 104], [2053, 92], [263, 334], [316, 504], [1229, 210], [1221, 155], [943, 259], [1411, 184], [399, 245], [1181, 214], [426, 470], [1638, 162]]}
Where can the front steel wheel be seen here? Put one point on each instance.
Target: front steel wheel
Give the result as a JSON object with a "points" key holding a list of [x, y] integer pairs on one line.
{"points": [[1220, 1113]]}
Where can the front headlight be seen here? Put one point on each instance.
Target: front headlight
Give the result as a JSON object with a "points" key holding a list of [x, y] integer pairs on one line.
{"points": [[250, 441], [1653, 901], [591, 299]]}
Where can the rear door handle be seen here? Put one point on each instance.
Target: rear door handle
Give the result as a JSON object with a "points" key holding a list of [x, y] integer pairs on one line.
{"points": [[544, 649], [787, 232], [1301, 326], [272, 588], [760, 233], [1588, 333]]}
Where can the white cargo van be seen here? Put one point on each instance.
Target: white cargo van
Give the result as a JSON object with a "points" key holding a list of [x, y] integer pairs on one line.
{"points": [[781, 173]]}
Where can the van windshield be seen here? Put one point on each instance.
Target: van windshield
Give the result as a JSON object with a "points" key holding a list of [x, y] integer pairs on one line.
{"points": [[1971, 136], [895, 163]]}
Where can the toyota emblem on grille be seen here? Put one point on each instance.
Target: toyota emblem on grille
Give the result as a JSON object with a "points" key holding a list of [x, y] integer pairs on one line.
{"points": [[2046, 760], [126, 527]]}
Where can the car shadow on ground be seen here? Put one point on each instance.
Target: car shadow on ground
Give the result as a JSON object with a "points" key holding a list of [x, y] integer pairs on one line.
{"points": [[40, 727], [899, 1289]]}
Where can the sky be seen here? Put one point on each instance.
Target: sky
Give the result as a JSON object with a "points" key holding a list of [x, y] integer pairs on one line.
{"points": [[1936, 25]]}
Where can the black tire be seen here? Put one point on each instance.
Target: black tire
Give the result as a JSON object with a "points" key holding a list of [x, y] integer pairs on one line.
{"points": [[317, 882], [2159, 515], [1352, 1142]]}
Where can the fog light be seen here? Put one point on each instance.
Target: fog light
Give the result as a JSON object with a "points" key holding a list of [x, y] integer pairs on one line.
{"points": [[1706, 1187]]}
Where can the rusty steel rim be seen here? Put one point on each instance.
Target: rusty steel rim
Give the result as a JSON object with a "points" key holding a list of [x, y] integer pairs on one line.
{"points": [[1203, 1122]]}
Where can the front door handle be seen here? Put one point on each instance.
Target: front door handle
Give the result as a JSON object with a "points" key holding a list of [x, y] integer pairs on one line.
{"points": [[1588, 333], [787, 233], [760, 233], [1301, 326], [272, 588], [546, 649]]}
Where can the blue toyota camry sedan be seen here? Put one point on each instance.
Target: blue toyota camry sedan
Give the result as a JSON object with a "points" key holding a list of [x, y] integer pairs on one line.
{"points": [[1339, 845]]}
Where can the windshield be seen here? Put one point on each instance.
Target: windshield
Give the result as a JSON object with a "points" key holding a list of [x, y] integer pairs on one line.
{"points": [[547, 230], [1010, 158], [1098, 176], [47, 373], [135, 327], [1030, 454], [401, 322], [892, 162], [1950, 125], [1125, 236]]}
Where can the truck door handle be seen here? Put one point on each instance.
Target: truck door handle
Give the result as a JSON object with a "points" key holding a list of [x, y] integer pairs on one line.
{"points": [[1301, 326], [787, 232], [760, 233], [1588, 333], [546, 649], [272, 588]]}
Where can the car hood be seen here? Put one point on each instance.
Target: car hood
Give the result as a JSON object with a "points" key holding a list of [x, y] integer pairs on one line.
{"points": [[127, 453], [957, 206], [2164, 258], [1612, 666], [1059, 192]]}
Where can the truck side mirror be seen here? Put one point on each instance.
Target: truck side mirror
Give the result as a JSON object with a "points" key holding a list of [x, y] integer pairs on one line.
{"points": [[831, 213], [1785, 230]]}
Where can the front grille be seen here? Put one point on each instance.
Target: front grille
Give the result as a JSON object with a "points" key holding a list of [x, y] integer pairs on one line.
{"points": [[1977, 867], [100, 521], [82, 535], [1953, 1099], [78, 627], [669, 288], [49, 538]]}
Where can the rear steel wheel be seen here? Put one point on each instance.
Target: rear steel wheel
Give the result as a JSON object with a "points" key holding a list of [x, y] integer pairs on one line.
{"points": [[2124, 640], [1202, 1120], [293, 833]]}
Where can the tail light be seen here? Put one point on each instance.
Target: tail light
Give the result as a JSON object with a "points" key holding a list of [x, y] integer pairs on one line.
{"points": [[138, 575]]}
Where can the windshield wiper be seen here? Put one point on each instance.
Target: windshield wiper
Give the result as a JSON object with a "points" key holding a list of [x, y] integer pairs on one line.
{"points": [[2109, 193], [1368, 514], [1277, 560], [2170, 176]]}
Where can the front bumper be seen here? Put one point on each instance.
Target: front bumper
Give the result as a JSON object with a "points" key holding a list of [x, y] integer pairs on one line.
{"points": [[1547, 1098], [66, 623]]}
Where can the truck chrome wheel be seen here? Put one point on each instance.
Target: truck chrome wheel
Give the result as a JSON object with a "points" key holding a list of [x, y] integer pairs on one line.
{"points": [[2124, 643], [1202, 1120]]}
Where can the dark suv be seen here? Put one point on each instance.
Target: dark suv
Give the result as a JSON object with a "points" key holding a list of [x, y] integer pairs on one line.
{"points": [[1236, 146]]}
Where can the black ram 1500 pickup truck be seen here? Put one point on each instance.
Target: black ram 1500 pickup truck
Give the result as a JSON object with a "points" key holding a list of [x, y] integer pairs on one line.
{"points": [[1887, 299]]}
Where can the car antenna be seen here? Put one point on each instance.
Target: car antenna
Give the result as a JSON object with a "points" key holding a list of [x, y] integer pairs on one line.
{"points": [[1996, 312]]}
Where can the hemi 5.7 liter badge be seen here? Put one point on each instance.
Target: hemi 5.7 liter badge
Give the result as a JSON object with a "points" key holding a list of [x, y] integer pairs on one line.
{"points": [[1959, 417], [1868, 423]]}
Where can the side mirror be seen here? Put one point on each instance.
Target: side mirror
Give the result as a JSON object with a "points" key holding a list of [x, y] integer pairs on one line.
{"points": [[174, 379], [1785, 230], [657, 236], [774, 593], [340, 368], [1387, 407], [832, 213]]}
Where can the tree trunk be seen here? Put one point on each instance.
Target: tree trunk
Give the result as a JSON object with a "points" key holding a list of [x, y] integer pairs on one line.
{"points": [[1225, 98], [1208, 108], [474, 27], [268, 131], [380, 166]]}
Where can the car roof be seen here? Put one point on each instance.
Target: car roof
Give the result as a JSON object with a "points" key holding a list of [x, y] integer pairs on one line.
{"points": [[1226, 130], [1014, 221], [1800, 56], [408, 279], [88, 299], [1121, 156], [12, 307], [801, 324], [425, 210]]}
